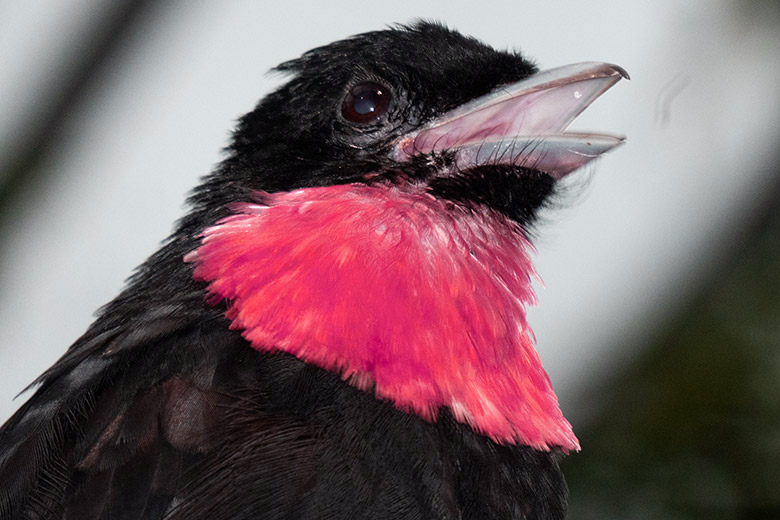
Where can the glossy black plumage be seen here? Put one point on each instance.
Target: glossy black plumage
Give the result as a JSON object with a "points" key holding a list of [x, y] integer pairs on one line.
{"points": [[161, 411]]}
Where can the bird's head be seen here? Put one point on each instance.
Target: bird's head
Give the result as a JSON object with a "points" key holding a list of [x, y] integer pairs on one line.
{"points": [[378, 202], [428, 105]]}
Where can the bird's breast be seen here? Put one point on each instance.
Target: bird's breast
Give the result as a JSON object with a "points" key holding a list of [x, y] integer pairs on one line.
{"points": [[393, 289]]}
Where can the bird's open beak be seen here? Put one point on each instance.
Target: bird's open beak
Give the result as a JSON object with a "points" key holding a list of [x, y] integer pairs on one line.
{"points": [[523, 123]]}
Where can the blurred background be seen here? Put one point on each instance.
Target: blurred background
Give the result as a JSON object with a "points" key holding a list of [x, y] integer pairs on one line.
{"points": [[659, 319]]}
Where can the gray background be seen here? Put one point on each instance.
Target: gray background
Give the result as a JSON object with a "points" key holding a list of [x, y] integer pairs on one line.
{"points": [[95, 161]]}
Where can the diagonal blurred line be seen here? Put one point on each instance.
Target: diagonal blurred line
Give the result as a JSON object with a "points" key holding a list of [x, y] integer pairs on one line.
{"points": [[96, 50]]}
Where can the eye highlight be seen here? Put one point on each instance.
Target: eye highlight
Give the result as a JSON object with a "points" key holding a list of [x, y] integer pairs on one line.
{"points": [[366, 102]]}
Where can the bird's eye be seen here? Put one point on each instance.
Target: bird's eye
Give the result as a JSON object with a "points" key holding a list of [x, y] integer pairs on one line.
{"points": [[366, 102]]}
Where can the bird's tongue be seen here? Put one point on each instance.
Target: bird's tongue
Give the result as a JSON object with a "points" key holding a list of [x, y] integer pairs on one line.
{"points": [[523, 123], [392, 288]]}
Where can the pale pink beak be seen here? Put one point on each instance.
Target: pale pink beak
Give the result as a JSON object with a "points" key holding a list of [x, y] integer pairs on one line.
{"points": [[523, 123]]}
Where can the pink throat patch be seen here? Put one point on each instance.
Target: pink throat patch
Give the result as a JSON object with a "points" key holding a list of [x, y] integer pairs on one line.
{"points": [[390, 286]]}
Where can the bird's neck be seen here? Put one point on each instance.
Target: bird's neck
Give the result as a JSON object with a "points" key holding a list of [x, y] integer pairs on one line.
{"points": [[398, 291]]}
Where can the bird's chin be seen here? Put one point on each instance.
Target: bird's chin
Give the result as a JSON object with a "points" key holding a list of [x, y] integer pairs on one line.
{"points": [[517, 192]]}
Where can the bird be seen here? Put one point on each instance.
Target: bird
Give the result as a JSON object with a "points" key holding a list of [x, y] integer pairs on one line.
{"points": [[336, 329]]}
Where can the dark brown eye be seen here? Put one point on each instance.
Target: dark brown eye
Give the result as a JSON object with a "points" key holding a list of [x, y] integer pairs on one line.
{"points": [[366, 102]]}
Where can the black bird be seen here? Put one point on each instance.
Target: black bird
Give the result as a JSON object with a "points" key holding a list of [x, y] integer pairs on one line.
{"points": [[336, 329]]}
